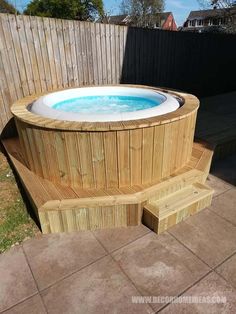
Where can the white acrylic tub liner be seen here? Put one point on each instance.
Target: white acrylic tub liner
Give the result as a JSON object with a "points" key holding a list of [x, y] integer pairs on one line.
{"points": [[43, 106]]}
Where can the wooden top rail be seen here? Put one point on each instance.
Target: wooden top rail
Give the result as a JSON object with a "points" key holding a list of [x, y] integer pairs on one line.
{"points": [[20, 110]]}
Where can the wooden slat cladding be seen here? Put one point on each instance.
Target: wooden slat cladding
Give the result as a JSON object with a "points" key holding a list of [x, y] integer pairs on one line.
{"points": [[108, 159]]}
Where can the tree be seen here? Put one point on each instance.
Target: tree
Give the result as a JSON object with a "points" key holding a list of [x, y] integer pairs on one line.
{"points": [[125, 7], [217, 4], [84, 10], [6, 7], [228, 8], [143, 13]]}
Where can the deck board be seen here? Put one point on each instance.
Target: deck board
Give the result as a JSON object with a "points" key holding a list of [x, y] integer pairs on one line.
{"points": [[216, 123]]}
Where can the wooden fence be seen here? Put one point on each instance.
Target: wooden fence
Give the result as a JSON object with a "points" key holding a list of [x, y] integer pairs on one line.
{"points": [[41, 54]]}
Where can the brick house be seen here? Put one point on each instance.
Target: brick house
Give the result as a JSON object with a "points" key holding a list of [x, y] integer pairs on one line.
{"points": [[163, 20]]}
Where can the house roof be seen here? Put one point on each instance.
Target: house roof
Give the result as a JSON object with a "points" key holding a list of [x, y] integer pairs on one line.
{"points": [[204, 14], [117, 19], [164, 15], [125, 18]]}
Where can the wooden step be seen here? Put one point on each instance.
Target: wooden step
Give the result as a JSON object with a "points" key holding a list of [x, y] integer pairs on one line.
{"points": [[160, 215]]}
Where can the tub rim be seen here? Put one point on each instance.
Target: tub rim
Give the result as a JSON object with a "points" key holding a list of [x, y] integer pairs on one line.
{"points": [[20, 110]]}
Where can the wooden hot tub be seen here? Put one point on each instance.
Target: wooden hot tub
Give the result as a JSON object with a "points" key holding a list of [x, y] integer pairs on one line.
{"points": [[105, 155], [94, 175]]}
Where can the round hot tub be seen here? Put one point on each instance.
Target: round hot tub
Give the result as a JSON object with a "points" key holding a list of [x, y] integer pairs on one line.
{"points": [[107, 137], [106, 103]]}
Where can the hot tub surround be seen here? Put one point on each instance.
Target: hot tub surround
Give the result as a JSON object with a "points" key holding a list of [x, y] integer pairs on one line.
{"points": [[116, 169], [108, 154]]}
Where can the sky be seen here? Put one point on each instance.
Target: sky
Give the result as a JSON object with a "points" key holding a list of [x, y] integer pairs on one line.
{"points": [[180, 8]]}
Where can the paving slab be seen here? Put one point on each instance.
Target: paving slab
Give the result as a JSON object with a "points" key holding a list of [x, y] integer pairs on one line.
{"points": [[228, 270], [219, 186], [33, 305], [212, 286], [113, 239], [99, 288], [16, 280], [52, 257], [225, 205], [209, 236], [160, 265]]}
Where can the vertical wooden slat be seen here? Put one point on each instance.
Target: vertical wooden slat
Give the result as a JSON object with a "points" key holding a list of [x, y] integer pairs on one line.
{"points": [[50, 147], [5, 94], [98, 159], [25, 53], [159, 132], [180, 145], [61, 47], [56, 52], [85, 160], [99, 53], [107, 48], [74, 62], [32, 53], [69, 67], [83, 53], [9, 59], [123, 158], [51, 57], [174, 147], [94, 53], [18, 54], [38, 53], [73, 159], [110, 148], [43, 44], [147, 155], [88, 54], [32, 147], [62, 157], [136, 137], [103, 54]]}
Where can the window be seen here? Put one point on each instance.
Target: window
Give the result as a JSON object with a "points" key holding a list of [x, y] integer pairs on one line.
{"points": [[200, 23], [210, 22], [192, 23]]}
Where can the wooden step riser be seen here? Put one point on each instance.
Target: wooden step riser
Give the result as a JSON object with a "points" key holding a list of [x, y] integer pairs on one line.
{"points": [[90, 218], [159, 225]]}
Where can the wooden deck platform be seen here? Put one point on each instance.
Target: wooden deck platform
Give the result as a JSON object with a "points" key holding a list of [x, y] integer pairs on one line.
{"points": [[61, 208], [216, 123]]}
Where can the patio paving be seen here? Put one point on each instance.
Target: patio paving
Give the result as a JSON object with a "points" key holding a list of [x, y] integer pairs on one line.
{"points": [[100, 272]]}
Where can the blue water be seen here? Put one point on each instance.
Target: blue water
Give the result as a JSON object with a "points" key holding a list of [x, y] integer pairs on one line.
{"points": [[106, 104]]}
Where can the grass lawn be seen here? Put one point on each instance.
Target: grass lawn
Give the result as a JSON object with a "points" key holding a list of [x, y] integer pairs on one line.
{"points": [[15, 223]]}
